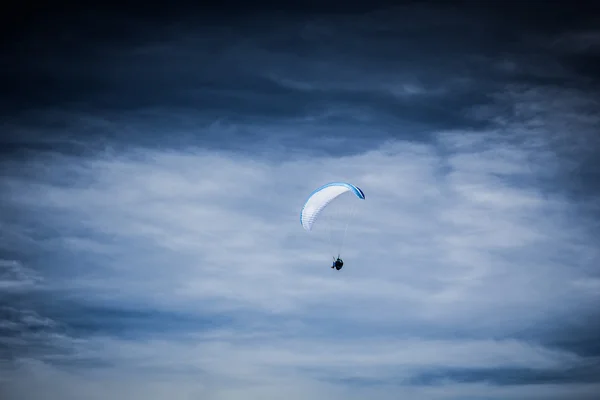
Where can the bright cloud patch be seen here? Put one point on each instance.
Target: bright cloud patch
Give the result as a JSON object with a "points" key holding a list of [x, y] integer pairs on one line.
{"points": [[453, 237]]}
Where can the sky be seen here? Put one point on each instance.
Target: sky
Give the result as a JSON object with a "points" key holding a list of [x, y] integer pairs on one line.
{"points": [[154, 161]]}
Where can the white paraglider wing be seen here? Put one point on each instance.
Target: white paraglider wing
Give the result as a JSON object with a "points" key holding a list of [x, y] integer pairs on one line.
{"points": [[321, 197]]}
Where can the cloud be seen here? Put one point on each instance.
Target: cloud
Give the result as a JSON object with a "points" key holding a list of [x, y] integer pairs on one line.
{"points": [[15, 277], [151, 242], [448, 244]]}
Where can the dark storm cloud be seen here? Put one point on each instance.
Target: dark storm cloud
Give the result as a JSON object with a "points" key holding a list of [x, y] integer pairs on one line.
{"points": [[84, 74], [82, 320], [24, 333], [512, 376]]}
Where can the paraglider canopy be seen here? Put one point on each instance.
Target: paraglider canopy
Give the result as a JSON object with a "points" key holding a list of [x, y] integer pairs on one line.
{"points": [[320, 198], [333, 206]]}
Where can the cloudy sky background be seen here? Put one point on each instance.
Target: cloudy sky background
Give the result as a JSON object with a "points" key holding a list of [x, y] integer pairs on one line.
{"points": [[154, 165]]}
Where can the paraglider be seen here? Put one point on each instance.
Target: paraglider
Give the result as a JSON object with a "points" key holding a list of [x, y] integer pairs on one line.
{"points": [[333, 205], [337, 264]]}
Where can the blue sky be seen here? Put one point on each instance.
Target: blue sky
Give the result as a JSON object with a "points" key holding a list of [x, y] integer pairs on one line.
{"points": [[154, 165]]}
